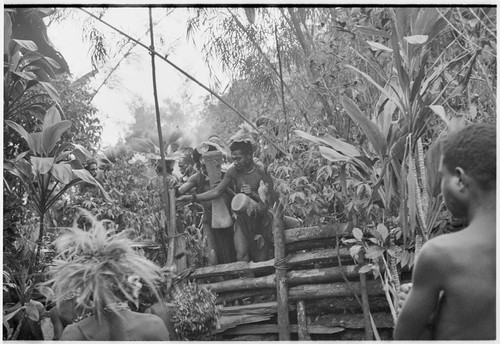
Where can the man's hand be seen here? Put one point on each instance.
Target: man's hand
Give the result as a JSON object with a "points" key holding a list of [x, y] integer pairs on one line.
{"points": [[403, 295], [184, 199], [245, 188]]}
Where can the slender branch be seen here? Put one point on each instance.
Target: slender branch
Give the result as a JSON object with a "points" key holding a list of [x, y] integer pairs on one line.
{"points": [[459, 32], [486, 27], [281, 82], [119, 62], [152, 51], [266, 59]]}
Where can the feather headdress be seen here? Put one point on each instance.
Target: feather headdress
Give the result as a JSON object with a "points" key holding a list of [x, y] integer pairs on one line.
{"points": [[95, 265], [245, 133]]}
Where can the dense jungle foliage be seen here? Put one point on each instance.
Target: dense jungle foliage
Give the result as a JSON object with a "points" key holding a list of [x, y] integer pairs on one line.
{"points": [[359, 98]]}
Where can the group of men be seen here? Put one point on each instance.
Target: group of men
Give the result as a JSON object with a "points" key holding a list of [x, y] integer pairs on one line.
{"points": [[251, 230]]}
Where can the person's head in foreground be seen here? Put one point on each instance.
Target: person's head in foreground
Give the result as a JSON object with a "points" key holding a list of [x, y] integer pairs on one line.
{"points": [[103, 271], [468, 167]]}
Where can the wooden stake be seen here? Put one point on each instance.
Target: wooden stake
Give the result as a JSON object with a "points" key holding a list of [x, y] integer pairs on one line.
{"points": [[366, 302], [281, 272], [302, 321]]}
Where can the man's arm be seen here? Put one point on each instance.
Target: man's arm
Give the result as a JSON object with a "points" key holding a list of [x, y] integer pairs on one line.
{"points": [[189, 184], [210, 194], [217, 191], [423, 297], [71, 332]]}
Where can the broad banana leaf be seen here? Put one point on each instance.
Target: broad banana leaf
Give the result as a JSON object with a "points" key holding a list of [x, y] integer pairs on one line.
{"points": [[85, 175], [62, 172], [24, 134], [52, 134], [51, 117], [42, 165]]}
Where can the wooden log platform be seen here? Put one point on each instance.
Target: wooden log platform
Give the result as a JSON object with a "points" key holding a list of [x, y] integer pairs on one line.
{"points": [[317, 291], [354, 321], [296, 277], [270, 328], [233, 316], [294, 259]]}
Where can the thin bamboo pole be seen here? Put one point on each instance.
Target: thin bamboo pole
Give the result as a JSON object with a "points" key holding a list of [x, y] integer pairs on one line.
{"points": [[167, 199], [282, 84]]}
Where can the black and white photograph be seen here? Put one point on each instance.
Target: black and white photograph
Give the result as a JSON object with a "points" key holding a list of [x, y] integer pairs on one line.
{"points": [[249, 171]]}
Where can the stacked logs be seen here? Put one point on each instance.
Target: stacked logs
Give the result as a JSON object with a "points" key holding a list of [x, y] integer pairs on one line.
{"points": [[321, 282]]}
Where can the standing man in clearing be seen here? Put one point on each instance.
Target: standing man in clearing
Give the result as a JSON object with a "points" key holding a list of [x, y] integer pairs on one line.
{"points": [[252, 230], [462, 265]]}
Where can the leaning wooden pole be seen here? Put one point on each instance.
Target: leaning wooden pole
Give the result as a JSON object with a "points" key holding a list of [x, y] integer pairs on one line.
{"points": [[166, 198], [365, 302], [152, 51], [281, 272]]}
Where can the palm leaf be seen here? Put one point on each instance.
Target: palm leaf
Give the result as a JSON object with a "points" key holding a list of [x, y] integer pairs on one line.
{"points": [[380, 88], [369, 128]]}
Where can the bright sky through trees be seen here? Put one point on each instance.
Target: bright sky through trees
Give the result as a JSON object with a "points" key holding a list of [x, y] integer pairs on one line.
{"points": [[133, 76]]}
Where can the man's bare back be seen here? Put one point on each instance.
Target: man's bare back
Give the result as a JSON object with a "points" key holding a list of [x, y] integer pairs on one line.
{"points": [[125, 325], [467, 310], [460, 267]]}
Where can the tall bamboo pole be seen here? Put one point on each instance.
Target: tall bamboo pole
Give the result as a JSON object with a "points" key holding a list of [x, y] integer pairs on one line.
{"points": [[166, 194]]}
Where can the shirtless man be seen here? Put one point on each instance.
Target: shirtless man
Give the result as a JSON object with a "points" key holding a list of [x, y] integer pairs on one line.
{"points": [[200, 182], [252, 233], [461, 264], [99, 272]]}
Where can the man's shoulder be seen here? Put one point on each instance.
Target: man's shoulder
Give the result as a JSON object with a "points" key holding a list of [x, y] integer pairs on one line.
{"points": [[231, 171], [152, 326], [440, 249]]}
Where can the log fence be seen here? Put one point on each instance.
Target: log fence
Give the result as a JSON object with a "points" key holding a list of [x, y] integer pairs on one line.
{"points": [[311, 290]]}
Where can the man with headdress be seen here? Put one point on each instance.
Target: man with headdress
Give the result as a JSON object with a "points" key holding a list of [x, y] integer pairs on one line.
{"points": [[253, 226], [101, 272]]}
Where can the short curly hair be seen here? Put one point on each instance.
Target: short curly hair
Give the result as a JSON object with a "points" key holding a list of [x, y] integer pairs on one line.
{"points": [[474, 149], [244, 146]]}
